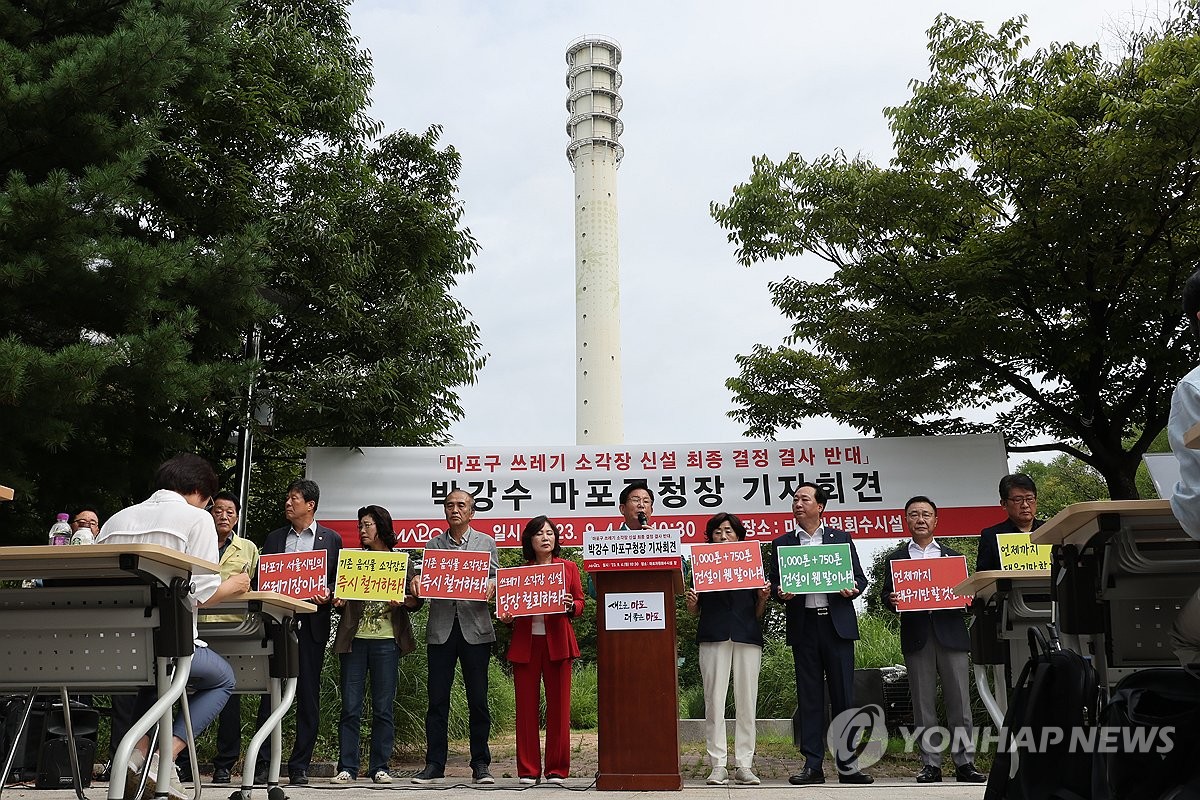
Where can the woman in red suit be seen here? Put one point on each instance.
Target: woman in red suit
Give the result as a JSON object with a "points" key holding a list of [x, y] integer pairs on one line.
{"points": [[541, 651]]}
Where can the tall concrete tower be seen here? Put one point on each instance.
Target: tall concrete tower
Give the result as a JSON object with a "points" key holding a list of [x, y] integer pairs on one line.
{"points": [[594, 105]]}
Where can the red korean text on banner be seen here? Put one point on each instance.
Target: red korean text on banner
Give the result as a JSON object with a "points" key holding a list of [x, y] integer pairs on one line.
{"points": [[455, 574], [536, 589], [927, 584], [727, 565], [301, 575]]}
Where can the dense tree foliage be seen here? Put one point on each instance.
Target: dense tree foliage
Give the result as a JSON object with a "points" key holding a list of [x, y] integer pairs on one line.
{"points": [[176, 174], [1021, 255]]}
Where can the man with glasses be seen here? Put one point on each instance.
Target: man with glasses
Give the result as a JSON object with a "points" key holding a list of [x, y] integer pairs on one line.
{"points": [[935, 645], [85, 517], [1018, 496]]}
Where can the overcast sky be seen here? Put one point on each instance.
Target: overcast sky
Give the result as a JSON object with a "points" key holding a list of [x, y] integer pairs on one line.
{"points": [[707, 85]]}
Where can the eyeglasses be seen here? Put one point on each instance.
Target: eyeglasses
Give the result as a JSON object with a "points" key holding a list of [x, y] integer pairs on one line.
{"points": [[366, 525], [85, 523], [1024, 500]]}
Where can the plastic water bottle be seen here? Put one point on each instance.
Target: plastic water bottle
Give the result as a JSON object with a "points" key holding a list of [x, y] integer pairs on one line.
{"points": [[60, 531]]}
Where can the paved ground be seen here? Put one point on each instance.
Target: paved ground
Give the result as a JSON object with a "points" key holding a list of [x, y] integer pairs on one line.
{"points": [[692, 790]]}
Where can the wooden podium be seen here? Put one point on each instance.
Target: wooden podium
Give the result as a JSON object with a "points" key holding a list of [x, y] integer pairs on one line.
{"points": [[638, 693]]}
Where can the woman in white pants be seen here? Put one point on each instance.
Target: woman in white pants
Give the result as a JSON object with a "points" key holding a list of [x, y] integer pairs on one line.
{"points": [[730, 638]]}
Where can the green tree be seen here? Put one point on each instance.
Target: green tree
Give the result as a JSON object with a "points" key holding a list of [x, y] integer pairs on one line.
{"points": [[1065, 480], [174, 175], [1022, 253]]}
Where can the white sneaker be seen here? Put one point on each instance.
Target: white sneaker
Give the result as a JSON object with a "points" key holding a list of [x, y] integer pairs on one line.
{"points": [[555, 780], [718, 776], [527, 781], [176, 791], [382, 776], [342, 777], [133, 775], [744, 777]]}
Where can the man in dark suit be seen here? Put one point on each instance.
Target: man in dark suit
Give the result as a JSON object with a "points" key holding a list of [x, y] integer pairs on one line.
{"points": [[1018, 495], [303, 533], [934, 643], [821, 630]]}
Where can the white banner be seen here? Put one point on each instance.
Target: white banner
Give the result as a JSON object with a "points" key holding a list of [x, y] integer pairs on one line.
{"points": [[868, 481]]}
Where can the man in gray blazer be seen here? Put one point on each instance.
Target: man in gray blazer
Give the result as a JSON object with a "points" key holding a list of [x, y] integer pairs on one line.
{"points": [[459, 630]]}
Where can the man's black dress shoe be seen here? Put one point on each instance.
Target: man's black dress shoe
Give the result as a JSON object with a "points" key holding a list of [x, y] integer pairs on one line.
{"points": [[968, 774], [221, 775], [260, 777], [807, 777], [929, 774], [856, 777], [298, 779]]}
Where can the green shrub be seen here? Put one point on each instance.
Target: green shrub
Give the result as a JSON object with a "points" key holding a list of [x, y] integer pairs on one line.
{"points": [[691, 702], [878, 642], [585, 681], [776, 682]]}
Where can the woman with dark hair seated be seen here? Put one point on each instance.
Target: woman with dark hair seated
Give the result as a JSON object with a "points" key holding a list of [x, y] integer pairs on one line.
{"points": [[730, 638], [371, 636], [541, 650]]}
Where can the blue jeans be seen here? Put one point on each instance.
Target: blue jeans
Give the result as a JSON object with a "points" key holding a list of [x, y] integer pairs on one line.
{"points": [[210, 684], [381, 657]]}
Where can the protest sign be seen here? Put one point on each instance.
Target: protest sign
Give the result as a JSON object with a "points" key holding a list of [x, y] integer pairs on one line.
{"points": [[815, 568], [455, 574], [1017, 552], [370, 575], [301, 575], [535, 589], [727, 565], [927, 584]]}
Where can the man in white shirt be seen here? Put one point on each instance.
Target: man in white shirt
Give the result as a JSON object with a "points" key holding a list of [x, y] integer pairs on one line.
{"points": [[935, 645], [821, 630], [174, 517], [1185, 501], [302, 534]]}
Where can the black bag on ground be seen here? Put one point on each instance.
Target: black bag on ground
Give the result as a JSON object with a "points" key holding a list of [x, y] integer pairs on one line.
{"points": [[1057, 689], [1156, 714]]}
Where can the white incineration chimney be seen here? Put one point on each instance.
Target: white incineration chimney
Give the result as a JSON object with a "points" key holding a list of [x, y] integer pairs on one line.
{"points": [[595, 152]]}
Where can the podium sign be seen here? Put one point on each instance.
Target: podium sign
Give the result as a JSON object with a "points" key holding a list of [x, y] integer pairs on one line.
{"points": [[637, 573], [652, 548]]}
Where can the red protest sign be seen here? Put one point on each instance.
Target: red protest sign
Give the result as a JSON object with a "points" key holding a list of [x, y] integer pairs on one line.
{"points": [[300, 575], [927, 584], [727, 565], [455, 574], [536, 589]]}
